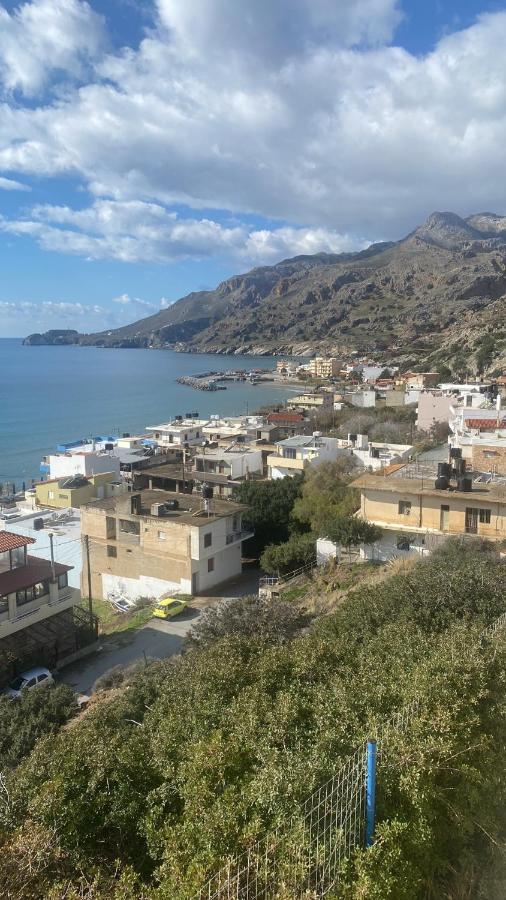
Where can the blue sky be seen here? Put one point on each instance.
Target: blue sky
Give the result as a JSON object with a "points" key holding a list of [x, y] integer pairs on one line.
{"points": [[149, 148]]}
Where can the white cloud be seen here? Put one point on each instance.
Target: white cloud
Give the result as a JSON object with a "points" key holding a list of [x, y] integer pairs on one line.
{"points": [[132, 302], [147, 232], [297, 111], [45, 36], [8, 184]]}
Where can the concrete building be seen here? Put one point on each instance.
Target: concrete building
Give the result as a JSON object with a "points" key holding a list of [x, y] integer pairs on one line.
{"points": [[154, 543], [361, 398], [312, 401], [324, 367], [178, 432], [420, 381], [235, 461], [40, 621], [415, 515], [433, 408], [60, 493], [375, 454], [87, 463], [294, 455]]}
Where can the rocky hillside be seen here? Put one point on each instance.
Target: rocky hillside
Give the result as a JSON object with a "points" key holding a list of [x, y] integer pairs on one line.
{"points": [[438, 295]]}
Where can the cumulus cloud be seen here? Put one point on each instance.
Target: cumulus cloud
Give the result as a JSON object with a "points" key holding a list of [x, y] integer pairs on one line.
{"points": [[301, 111], [9, 184], [45, 36], [133, 302], [147, 232]]}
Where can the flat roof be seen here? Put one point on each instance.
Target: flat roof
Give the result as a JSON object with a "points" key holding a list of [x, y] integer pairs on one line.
{"points": [[36, 570], [190, 510], [397, 484]]}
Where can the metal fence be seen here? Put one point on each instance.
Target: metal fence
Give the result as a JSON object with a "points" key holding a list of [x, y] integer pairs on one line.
{"points": [[306, 859]]}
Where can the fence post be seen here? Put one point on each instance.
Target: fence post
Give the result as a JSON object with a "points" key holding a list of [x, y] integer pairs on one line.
{"points": [[370, 792]]}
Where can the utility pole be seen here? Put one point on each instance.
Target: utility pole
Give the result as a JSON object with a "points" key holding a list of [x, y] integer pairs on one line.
{"points": [[51, 538], [90, 604]]}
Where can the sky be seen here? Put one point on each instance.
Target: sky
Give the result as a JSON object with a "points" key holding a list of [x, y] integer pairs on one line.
{"points": [[149, 148]]}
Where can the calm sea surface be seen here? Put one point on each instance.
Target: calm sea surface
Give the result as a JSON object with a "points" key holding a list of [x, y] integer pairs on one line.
{"points": [[54, 394]]}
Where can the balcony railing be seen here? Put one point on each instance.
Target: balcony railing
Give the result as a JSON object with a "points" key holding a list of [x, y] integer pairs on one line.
{"points": [[243, 535]]}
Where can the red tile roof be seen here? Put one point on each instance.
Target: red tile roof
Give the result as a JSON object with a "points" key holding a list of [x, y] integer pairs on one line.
{"points": [[35, 571], [485, 424], [10, 541]]}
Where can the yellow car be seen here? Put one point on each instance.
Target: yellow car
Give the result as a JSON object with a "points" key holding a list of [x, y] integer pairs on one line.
{"points": [[166, 609]]}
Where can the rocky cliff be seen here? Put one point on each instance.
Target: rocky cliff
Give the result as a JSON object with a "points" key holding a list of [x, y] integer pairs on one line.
{"points": [[437, 295]]}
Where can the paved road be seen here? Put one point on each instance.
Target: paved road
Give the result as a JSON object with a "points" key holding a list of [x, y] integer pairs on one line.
{"points": [[157, 639]]}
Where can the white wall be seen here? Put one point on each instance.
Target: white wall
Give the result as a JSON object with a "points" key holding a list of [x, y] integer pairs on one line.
{"points": [[63, 466], [325, 551], [132, 589]]}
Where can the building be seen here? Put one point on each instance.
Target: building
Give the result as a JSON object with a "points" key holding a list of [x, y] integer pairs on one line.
{"points": [[361, 398], [178, 432], [235, 461], [324, 367], [415, 515], [153, 543], [59, 493], [420, 381], [433, 409], [87, 463], [294, 455], [323, 400], [40, 620], [375, 454]]}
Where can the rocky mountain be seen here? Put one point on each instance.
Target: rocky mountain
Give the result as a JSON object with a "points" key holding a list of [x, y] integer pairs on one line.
{"points": [[437, 295]]}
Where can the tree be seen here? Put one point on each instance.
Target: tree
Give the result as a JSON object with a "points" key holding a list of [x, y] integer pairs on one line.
{"points": [[326, 495], [270, 504], [271, 621], [385, 373], [32, 715], [351, 531], [280, 559]]}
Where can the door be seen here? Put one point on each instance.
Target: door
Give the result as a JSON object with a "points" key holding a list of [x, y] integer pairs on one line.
{"points": [[195, 583], [472, 516], [444, 521]]}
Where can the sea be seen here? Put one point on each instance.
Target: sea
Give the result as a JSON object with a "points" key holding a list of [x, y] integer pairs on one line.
{"points": [[50, 395]]}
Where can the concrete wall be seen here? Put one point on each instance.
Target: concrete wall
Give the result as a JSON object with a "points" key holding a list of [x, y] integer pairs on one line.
{"points": [[64, 466], [489, 459], [433, 407]]}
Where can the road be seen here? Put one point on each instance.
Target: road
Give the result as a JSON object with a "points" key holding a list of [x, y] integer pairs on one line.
{"points": [[158, 639]]}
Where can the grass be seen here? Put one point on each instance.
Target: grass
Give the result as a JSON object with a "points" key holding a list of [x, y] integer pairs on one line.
{"points": [[114, 623]]}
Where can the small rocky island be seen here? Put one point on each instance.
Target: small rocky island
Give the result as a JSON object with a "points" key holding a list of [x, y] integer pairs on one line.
{"points": [[53, 337]]}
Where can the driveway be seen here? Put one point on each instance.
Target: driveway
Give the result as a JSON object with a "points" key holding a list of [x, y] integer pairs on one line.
{"points": [[157, 639]]}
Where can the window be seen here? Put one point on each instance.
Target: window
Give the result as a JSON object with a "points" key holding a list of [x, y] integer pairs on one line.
{"points": [[62, 496], [24, 596], [128, 527], [110, 527], [112, 551], [210, 564], [490, 454], [444, 518], [208, 539], [485, 516], [41, 677], [404, 507], [63, 581], [41, 589], [289, 453], [31, 683], [50, 495], [4, 604], [162, 535]]}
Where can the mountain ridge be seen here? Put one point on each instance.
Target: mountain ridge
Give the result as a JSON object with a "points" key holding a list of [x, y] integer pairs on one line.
{"points": [[437, 293]]}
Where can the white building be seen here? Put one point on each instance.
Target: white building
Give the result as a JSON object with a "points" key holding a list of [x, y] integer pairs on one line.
{"points": [[235, 461], [375, 455], [87, 463], [295, 454], [178, 432]]}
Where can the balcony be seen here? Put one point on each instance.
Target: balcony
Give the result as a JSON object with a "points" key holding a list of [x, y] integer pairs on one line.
{"points": [[234, 536]]}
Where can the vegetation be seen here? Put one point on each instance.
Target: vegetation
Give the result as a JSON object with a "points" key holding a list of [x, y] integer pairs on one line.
{"points": [[151, 789], [280, 559], [246, 617], [350, 531], [270, 505], [113, 622], [34, 714]]}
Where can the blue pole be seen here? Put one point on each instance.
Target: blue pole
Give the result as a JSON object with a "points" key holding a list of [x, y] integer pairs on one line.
{"points": [[370, 792]]}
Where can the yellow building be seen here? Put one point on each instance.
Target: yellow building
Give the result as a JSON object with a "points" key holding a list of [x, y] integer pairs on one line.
{"points": [[325, 400], [415, 515], [324, 367], [61, 493]]}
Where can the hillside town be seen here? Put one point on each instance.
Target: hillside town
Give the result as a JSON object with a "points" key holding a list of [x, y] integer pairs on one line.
{"points": [[133, 519]]}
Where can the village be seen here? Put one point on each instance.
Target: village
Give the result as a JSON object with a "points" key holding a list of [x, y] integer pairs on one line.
{"points": [[128, 522]]}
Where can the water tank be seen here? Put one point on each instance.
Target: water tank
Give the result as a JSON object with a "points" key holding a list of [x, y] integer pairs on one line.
{"points": [[126, 434], [460, 466], [207, 492], [375, 452], [465, 484], [441, 483], [317, 434], [455, 453], [444, 469], [172, 504], [352, 438], [38, 524], [179, 418], [109, 446]]}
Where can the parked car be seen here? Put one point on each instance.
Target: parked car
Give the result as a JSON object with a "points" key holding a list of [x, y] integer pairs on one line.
{"points": [[27, 681], [166, 609]]}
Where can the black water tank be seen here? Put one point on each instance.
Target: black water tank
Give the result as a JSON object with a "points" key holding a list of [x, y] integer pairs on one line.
{"points": [[38, 524], [172, 504], [444, 469], [353, 437], [207, 492], [465, 484], [460, 466], [441, 483], [455, 452], [109, 446], [375, 452]]}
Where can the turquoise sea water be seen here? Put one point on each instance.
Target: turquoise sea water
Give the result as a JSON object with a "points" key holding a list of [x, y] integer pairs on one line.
{"points": [[54, 394]]}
